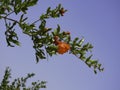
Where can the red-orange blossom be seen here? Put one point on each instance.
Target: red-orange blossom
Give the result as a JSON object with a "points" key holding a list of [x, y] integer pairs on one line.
{"points": [[62, 46]]}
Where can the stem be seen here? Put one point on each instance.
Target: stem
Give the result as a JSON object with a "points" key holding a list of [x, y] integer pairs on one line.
{"points": [[9, 13], [9, 19], [36, 21]]}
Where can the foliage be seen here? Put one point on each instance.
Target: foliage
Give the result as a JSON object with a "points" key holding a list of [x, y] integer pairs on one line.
{"points": [[20, 83], [46, 40], [42, 36]]}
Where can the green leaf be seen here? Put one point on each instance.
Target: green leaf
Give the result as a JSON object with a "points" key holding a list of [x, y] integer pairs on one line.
{"points": [[48, 10], [51, 49], [42, 25], [31, 2], [81, 41], [75, 40], [59, 7], [56, 31], [89, 59], [24, 19], [18, 2], [58, 28], [40, 55], [16, 42]]}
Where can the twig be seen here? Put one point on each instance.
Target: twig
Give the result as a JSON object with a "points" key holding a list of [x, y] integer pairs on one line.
{"points": [[9, 19], [36, 21], [9, 13]]}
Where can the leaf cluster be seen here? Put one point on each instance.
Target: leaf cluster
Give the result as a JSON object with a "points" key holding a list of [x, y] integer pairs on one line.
{"points": [[79, 49], [17, 7], [20, 83], [42, 35]]}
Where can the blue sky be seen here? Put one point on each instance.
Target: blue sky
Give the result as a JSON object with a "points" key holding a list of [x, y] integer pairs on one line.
{"points": [[98, 21]]}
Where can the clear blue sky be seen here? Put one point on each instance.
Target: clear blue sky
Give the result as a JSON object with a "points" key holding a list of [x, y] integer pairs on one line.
{"points": [[98, 21]]}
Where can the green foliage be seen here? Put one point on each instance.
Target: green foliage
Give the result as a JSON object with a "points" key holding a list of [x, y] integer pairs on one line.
{"points": [[41, 35], [43, 38], [20, 83], [11, 36]]}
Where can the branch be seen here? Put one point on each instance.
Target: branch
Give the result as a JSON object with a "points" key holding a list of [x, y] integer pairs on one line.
{"points": [[36, 21], [9, 19]]}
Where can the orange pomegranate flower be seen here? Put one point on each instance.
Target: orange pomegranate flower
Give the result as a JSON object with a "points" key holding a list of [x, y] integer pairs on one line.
{"points": [[63, 47]]}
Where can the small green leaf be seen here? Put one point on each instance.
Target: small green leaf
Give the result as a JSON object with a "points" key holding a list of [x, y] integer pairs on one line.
{"points": [[75, 40], [48, 10], [40, 55], [95, 71], [31, 2], [24, 19], [58, 28], [81, 41], [59, 7], [16, 42]]}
